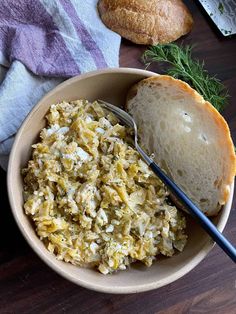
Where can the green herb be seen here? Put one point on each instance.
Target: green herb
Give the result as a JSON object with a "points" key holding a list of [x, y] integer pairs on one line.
{"points": [[226, 32], [221, 8], [184, 67]]}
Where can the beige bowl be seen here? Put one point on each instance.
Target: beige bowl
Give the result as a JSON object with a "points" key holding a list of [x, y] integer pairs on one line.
{"points": [[110, 85]]}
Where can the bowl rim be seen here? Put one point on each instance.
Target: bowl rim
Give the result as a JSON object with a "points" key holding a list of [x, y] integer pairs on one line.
{"points": [[50, 261]]}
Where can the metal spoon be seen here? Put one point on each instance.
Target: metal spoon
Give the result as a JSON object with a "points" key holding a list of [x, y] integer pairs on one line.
{"points": [[194, 211]]}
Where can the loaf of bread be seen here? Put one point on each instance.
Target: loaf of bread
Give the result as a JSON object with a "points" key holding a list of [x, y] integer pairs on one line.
{"points": [[188, 137], [146, 22]]}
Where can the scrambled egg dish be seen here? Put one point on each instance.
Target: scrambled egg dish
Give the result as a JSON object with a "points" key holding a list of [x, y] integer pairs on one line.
{"points": [[94, 202]]}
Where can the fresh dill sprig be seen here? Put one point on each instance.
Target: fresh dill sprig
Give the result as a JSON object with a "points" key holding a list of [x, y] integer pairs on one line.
{"points": [[184, 67], [221, 8]]}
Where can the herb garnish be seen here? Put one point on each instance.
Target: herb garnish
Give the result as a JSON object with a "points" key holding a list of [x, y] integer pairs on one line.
{"points": [[226, 32], [221, 8], [184, 67]]}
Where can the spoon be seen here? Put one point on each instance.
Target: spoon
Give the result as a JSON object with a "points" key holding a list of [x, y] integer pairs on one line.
{"points": [[194, 211]]}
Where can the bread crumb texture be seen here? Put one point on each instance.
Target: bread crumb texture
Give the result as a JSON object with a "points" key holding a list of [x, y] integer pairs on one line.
{"points": [[188, 136], [146, 22]]}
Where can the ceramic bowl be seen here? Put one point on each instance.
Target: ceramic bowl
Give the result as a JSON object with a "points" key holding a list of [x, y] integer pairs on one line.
{"points": [[110, 85]]}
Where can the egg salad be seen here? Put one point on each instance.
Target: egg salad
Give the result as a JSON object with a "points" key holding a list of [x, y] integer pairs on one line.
{"points": [[93, 200]]}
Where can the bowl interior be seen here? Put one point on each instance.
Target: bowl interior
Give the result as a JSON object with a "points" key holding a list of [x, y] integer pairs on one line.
{"points": [[109, 85]]}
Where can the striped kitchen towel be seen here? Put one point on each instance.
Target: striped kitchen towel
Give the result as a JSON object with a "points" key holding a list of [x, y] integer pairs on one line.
{"points": [[43, 42]]}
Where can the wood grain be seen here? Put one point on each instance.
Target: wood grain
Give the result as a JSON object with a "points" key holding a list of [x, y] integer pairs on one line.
{"points": [[27, 285]]}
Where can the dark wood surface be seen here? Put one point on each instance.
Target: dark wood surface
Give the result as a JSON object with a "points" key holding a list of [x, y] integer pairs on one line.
{"points": [[27, 285]]}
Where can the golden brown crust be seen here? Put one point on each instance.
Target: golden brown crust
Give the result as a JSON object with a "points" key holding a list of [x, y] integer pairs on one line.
{"points": [[225, 140], [146, 22]]}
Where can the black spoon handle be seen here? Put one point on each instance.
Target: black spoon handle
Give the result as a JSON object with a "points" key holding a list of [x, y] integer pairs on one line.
{"points": [[196, 213]]}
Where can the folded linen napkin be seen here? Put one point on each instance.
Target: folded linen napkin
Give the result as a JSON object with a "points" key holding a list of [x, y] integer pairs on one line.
{"points": [[43, 42]]}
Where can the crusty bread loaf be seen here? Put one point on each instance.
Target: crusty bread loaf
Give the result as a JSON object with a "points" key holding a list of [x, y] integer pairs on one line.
{"points": [[146, 22], [189, 138]]}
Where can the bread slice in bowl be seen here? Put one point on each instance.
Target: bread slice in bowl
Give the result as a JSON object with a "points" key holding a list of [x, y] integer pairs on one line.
{"points": [[190, 139]]}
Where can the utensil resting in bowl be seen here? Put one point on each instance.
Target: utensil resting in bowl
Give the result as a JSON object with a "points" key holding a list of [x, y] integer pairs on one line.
{"points": [[194, 211]]}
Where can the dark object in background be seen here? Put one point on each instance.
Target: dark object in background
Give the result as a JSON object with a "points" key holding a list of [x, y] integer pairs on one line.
{"points": [[223, 14]]}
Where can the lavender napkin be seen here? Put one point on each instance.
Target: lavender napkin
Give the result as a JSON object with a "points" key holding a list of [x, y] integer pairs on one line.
{"points": [[43, 42]]}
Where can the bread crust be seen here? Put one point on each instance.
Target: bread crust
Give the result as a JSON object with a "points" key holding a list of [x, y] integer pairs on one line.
{"points": [[225, 139], [146, 22]]}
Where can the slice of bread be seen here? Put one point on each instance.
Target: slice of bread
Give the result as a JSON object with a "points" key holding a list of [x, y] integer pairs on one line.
{"points": [[188, 136]]}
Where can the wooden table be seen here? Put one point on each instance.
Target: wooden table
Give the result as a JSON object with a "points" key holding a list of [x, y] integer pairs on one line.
{"points": [[27, 285]]}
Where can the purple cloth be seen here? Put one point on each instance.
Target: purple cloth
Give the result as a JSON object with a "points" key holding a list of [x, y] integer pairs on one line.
{"points": [[29, 34], [42, 42]]}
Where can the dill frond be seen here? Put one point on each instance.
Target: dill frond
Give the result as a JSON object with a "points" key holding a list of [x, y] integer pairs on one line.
{"points": [[183, 66]]}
